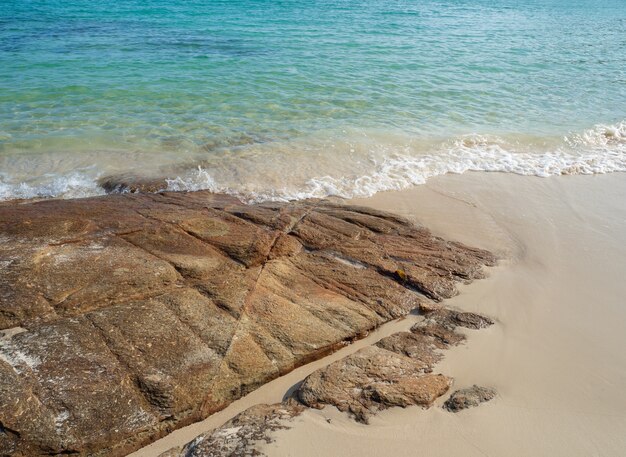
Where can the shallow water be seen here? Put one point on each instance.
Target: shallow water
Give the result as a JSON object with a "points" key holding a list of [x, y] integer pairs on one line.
{"points": [[286, 99]]}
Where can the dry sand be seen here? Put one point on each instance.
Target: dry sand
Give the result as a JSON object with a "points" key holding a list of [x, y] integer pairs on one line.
{"points": [[557, 355]]}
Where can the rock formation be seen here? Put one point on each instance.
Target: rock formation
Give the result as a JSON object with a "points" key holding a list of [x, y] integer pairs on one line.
{"points": [[397, 371], [372, 379], [468, 398], [127, 316]]}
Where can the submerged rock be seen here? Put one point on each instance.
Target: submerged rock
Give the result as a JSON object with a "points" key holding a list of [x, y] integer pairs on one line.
{"points": [[141, 313], [468, 398], [123, 183]]}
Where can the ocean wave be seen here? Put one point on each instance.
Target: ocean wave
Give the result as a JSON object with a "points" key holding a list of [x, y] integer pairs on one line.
{"points": [[74, 185], [601, 136], [349, 168], [601, 149]]}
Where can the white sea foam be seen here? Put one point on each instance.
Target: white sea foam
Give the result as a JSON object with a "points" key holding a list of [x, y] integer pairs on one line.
{"points": [[595, 151], [73, 185], [200, 179], [360, 166], [601, 136]]}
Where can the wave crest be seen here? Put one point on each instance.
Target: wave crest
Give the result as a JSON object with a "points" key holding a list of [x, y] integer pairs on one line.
{"points": [[601, 136], [74, 185]]}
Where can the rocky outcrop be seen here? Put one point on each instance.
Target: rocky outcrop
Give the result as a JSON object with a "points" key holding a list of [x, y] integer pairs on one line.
{"points": [[468, 398], [127, 316], [397, 371], [372, 379]]}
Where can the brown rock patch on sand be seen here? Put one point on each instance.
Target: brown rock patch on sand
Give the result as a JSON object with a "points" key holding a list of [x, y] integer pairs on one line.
{"points": [[397, 371], [141, 313], [468, 398], [372, 379]]}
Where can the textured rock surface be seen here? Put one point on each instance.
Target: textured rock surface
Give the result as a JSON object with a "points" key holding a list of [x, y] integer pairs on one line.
{"points": [[468, 398], [450, 319], [127, 316], [397, 371], [238, 436], [372, 379]]}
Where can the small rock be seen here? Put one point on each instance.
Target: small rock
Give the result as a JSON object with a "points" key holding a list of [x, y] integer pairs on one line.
{"points": [[442, 337], [468, 398], [451, 319], [429, 307], [414, 345], [238, 436]]}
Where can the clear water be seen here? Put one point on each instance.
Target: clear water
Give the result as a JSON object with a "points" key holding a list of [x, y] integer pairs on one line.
{"points": [[290, 99]]}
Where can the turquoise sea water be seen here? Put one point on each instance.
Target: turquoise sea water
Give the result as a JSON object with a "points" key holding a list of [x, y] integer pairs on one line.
{"points": [[289, 99]]}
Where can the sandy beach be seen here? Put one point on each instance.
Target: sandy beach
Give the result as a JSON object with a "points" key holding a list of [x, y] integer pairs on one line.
{"points": [[555, 355]]}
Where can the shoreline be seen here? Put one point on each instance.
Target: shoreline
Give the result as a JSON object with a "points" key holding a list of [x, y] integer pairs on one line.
{"points": [[347, 164], [552, 357]]}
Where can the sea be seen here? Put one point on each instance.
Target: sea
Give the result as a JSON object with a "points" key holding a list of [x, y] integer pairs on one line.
{"points": [[293, 99]]}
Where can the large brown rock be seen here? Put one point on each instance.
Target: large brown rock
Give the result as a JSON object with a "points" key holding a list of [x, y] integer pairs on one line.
{"points": [[127, 316]]}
